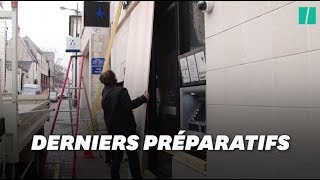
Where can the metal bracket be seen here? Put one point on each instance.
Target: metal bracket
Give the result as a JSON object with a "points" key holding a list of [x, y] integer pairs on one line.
{"points": [[76, 56]]}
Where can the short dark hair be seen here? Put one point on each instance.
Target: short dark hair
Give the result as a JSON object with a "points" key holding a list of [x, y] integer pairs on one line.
{"points": [[108, 78]]}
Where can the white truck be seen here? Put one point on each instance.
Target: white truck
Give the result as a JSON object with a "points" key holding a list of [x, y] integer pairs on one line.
{"points": [[20, 125], [21, 117], [31, 89]]}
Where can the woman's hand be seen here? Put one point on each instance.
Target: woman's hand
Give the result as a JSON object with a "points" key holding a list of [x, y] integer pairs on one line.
{"points": [[146, 95]]}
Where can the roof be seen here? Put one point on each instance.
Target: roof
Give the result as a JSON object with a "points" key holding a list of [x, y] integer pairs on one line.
{"points": [[33, 58], [30, 42], [28, 49], [27, 44]]}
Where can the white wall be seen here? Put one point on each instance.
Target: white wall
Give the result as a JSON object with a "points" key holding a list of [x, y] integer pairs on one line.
{"points": [[97, 47], [29, 79], [8, 81], [23, 55], [263, 78], [2, 48], [44, 66], [94, 42], [119, 50], [114, 7], [3, 37]]}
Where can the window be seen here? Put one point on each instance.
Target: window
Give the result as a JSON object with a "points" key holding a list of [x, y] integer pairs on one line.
{"points": [[191, 27]]}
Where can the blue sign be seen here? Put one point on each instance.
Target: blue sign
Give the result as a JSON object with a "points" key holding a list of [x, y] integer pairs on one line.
{"points": [[97, 65]]}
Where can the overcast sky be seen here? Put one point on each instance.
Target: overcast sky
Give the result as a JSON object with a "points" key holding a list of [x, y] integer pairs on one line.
{"points": [[46, 24]]}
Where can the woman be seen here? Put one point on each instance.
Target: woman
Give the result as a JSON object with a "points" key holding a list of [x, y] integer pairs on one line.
{"points": [[117, 106]]}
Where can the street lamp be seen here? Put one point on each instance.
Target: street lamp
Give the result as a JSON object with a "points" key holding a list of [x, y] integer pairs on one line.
{"points": [[77, 12], [63, 8]]}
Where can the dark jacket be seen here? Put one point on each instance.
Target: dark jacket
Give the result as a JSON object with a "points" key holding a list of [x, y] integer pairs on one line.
{"points": [[117, 106]]}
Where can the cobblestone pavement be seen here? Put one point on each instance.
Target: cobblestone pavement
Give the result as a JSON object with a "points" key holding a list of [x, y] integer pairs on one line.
{"points": [[62, 157]]}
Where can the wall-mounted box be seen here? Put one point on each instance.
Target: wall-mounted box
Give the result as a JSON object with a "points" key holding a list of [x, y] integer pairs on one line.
{"points": [[193, 67]]}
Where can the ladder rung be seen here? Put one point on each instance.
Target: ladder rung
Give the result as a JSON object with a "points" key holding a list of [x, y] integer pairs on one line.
{"points": [[84, 119], [84, 108], [65, 123], [74, 119], [67, 111], [71, 99], [73, 88]]}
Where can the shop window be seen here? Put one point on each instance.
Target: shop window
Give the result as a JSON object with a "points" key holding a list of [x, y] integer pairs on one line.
{"points": [[191, 27]]}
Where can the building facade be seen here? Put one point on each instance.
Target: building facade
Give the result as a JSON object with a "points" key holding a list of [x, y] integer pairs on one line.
{"points": [[3, 40], [33, 66], [261, 78], [92, 49], [43, 63], [51, 57]]}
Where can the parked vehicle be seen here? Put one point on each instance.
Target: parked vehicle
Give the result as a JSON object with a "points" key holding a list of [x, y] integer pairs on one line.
{"points": [[31, 89], [54, 96], [65, 95], [27, 118], [22, 117]]}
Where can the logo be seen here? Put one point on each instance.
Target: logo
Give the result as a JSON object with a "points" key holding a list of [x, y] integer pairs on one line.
{"points": [[99, 13], [96, 14], [307, 15], [72, 44]]}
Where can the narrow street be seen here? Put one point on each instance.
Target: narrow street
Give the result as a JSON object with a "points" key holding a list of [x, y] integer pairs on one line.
{"points": [[64, 158], [59, 163]]}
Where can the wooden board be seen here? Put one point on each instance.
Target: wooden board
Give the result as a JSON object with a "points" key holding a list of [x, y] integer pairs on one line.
{"points": [[138, 59]]}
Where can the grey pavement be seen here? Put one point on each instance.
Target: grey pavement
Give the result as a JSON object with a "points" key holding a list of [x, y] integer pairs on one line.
{"points": [[64, 158], [85, 168]]}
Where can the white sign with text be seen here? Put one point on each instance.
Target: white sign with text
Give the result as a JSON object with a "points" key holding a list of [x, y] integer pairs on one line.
{"points": [[72, 44]]}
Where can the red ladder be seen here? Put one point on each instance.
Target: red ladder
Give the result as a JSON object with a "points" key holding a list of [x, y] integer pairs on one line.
{"points": [[57, 110]]}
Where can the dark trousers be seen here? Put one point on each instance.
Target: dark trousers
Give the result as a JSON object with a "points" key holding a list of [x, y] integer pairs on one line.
{"points": [[108, 157], [134, 164]]}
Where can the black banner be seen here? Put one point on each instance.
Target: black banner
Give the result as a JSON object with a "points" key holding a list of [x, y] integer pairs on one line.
{"points": [[96, 14]]}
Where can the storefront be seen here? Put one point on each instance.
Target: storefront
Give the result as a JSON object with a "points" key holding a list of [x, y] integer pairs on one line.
{"points": [[173, 31], [256, 58]]}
